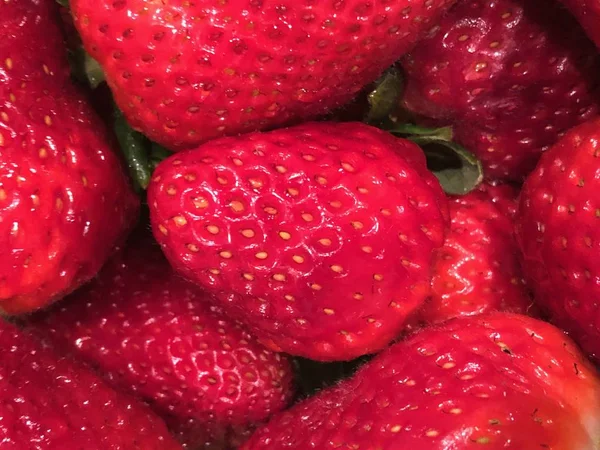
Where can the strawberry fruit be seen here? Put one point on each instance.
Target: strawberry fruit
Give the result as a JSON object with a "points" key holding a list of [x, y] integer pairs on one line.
{"points": [[64, 199], [152, 333], [186, 72], [559, 236], [491, 381], [53, 403], [318, 237], [510, 76], [477, 270]]}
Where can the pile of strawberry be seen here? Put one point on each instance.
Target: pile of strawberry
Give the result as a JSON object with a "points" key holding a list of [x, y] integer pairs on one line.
{"points": [[346, 224]]}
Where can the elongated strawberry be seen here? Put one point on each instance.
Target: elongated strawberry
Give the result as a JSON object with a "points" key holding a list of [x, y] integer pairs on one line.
{"points": [[494, 381], [558, 233], [49, 402], [186, 72], [318, 237], [510, 75], [152, 333], [477, 270], [64, 200]]}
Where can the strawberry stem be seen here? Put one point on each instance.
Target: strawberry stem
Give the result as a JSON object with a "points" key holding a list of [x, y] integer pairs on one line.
{"points": [[135, 147]]}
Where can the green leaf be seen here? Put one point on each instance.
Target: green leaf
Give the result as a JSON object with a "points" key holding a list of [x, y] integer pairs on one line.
{"points": [[314, 376], [384, 98], [458, 170], [136, 148], [64, 3], [158, 154], [85, 69]]}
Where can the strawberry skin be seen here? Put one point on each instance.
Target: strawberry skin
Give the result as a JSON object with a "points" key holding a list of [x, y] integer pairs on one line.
{"points": [[558, 233], [477, 270], [64, 199], [152, 333], [186, 72], [49, 402], [510, 75], [318, 237], [493, 381]]}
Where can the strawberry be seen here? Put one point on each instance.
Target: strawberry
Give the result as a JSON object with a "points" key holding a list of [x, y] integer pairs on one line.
{"points": [[509, 75], [152, 333], [49, 402], [318, 237], [477, 270], [491, 381], [588, 13], [558, 233], [64, 199], [186, 72]]}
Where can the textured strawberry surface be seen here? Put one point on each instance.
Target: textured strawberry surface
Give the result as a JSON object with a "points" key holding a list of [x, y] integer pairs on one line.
{"points": [[494, 381], [510, 75], [64, 200], [151, 332], [559, 235], [477, 270], [49, 402], [319, 237], [185, 72]]}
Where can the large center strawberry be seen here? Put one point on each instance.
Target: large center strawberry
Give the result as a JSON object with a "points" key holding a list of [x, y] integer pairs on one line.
{"points": [[319, 237], [185, 71]]}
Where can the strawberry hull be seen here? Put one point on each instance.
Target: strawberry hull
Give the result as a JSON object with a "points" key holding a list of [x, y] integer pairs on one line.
{"points": [[318, 237], [184, 73]]}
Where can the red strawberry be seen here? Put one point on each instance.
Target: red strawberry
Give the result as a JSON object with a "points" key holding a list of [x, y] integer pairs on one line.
{"points": [[477, 270], [49, 402], [510, 75], [318, 237], [64, 200], [559, 234], [588, 13], [187, 72], [496, 381], [152, 333]]}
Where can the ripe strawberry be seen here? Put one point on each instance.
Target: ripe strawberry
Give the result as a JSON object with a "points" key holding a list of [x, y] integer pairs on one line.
{"points": [[510, 75], [186, 72], [477, 270], [50, 402], [64, 200], [588, 13], [318, 237], [152, 333], [494, 381], [559, 236]]}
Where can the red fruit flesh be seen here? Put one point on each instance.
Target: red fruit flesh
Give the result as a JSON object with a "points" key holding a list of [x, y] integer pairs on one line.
{"points": [[477, 270], [318, 237], [495, 381], [49, 402], [559, 234], [187, 72], [152, 333], [510, 75], [64, 200]]}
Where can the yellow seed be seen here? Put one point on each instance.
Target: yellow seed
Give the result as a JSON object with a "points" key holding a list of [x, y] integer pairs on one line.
{"points": [[9, 63], [293, 192], [270, 210], [307, 217], [289, 298], [321, 180], [358, 296], [248, 276], [298, 259], [367, 249], [179, 221], [163, 230], [215, 271], [200, 202], [225, 254], [357, 225], [43, 153], [348, 167], [193, 248], [212, 229], [59, 204], [248, 233], [279, 277], [316, 287], [3, 195], [337, 268], [262, 255], [285, 235], [378, 277], [48, 120], [326, 242], [329, 311], [280, 169], [237, 206], [336, 204]]}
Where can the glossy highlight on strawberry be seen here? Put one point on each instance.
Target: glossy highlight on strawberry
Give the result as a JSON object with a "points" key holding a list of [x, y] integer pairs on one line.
{"points": [[152, 333], [64, 199], [50, 402], [493, 381], [187, 72], [559, 236], [318, 237], [477, 270], [510, 76]]}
